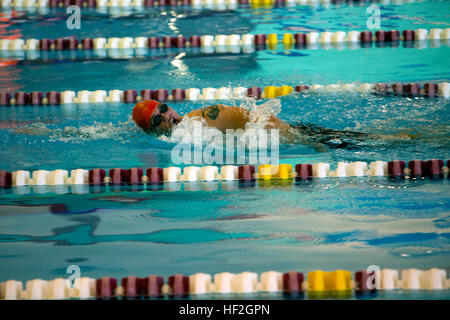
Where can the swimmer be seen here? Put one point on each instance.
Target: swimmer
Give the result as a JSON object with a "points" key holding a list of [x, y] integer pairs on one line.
{"points": [[158, 118]]}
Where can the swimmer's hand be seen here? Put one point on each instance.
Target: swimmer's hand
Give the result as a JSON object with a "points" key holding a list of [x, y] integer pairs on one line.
{"points": [[406, 136], [400, 136], [290, 135], [319, 147]]}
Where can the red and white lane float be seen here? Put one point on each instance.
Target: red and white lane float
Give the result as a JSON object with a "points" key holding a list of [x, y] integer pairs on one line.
{"points": [[115, 5], [419, 38], [414, 170], [39, 98], [179, 285]]}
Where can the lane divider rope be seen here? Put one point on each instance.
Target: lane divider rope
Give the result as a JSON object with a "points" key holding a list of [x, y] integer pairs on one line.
{"points": [[195, 4], [128, 53], [248, 42], [39, 98], [316, 282], [396, 170]]}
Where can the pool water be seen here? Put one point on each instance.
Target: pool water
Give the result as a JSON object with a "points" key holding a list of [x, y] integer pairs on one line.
{"points": [[214, 227]]}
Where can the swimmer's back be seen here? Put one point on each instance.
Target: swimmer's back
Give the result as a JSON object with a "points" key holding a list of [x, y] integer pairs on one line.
{"points": [[225, 117]]}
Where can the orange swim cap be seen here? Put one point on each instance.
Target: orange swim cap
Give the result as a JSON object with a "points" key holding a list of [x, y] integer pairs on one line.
{"points": [[142, 113]]}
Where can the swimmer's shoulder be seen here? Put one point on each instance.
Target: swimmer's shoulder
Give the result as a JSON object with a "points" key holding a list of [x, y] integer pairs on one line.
{"points": [[218, 110]]}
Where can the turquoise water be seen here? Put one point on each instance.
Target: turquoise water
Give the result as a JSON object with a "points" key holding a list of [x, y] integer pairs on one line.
{"points": [[214, 227], [187, 21], [328, 224], [91, 71]]}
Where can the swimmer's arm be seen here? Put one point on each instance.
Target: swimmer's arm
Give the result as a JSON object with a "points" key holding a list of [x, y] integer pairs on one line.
{"points": [[290, 135], [211, 112], [44, 131], [33, 131]]}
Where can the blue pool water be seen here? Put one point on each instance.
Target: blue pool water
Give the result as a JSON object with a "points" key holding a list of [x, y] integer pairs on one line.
{"points": [[122, 22], [214, 227]]}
